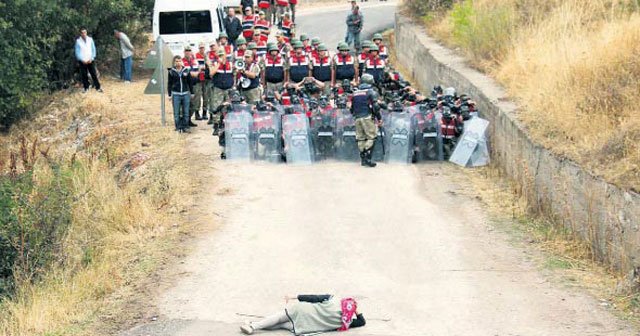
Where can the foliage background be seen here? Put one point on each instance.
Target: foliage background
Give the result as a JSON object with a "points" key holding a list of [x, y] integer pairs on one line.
{"points": [[37, 39]]}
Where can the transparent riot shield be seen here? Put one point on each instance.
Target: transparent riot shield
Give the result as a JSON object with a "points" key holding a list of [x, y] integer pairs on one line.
{"points": [[472, 149], [323, 126], [346, 144], [427, 135], [237, 130], [297, 139], [267, 136], [379, 150], [398, 137]]}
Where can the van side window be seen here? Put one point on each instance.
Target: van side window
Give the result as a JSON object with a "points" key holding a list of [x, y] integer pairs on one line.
{"points": [[171, 23], [198, 22], [185, 22]]}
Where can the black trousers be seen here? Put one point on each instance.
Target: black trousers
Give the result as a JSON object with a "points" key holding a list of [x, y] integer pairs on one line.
{"points": [[85, 71]]}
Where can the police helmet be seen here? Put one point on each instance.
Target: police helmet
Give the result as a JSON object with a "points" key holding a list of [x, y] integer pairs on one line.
{"points": [[377, 36], [223, 35], [366, 44], [297, 45], [343, 46], [241, 40], [374, 48], [304, 37], [252, 45], [367, 79], [272, 47], [315, 40], [322, 47]]}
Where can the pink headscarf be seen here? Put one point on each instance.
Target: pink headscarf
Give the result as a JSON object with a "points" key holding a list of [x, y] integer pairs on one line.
{"points": [[349, 307]]}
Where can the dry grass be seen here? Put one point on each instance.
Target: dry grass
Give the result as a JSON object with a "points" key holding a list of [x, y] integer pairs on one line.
{"points": [[573, 65], [565, 257], [123, 217]]}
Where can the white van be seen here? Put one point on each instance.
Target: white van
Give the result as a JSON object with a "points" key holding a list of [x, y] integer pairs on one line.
{"points": [[182, 22]]}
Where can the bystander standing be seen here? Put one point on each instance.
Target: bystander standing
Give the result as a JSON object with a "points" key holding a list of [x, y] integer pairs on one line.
{"points": [[126, 51], [85, 50]]}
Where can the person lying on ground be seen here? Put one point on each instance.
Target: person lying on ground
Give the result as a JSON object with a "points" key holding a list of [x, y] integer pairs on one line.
{"points": [[312, 313]]}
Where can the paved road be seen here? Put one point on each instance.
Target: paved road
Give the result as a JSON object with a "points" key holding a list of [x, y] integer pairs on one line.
{"points": [[394, 234], [378, 16]]}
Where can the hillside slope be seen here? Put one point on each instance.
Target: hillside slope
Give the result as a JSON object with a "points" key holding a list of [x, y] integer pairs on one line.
{"points": [[573, 66]]}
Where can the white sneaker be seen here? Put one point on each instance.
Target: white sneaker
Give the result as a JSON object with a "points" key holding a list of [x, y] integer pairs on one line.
{"points": [[127, 82], [246, 329]]}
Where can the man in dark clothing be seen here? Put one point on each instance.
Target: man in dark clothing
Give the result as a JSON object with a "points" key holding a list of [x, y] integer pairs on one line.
{"points": [[355, 22], [365, 108], [233, 26]]}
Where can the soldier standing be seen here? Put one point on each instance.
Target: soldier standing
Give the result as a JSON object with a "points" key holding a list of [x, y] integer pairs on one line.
{"points": [[248, 22], [241, 48], [364, 107], [251, 71], [222, 79], [344, 65], [298, 65], [382, 49], [212, 57], [200, 87], [264, 27], [375, 66], [363, 56], [191, 64], [223, 41], [321, 68], [275, 70], [305, 42], [265, 7]]}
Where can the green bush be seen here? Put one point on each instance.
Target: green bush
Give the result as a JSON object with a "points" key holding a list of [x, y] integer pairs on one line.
{"points": [[421, 8], [37, 39], [33, 220], [485, 32]]}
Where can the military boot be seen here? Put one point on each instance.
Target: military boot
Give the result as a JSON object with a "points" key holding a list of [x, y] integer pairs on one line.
{"points": [[210, 121], [363, 160], [216, 129], [368, 162]]}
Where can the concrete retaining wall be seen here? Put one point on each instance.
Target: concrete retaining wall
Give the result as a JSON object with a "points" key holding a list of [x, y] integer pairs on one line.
{"points": [[602, 214]]}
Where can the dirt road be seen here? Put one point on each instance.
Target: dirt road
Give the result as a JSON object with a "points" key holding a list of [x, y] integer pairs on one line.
{"points": [[395, 235]]}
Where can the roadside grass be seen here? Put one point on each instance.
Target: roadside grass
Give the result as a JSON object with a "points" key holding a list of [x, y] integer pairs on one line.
{"points": [[573, 66], [565, 257], [127, 201]]}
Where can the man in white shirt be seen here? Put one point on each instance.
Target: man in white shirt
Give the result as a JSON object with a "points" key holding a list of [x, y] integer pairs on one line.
{"points": [[85, 51], [126, 50]]}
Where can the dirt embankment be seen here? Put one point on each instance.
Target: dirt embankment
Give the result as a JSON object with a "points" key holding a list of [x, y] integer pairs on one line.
{"points": [[129, 197], [571, 65]]}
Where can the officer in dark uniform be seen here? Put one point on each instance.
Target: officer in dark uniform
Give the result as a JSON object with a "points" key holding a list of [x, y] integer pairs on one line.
{"points": [[365, 107]]}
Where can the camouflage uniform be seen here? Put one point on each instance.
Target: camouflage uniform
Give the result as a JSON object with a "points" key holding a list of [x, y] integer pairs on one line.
{"points": [[253, 94]]}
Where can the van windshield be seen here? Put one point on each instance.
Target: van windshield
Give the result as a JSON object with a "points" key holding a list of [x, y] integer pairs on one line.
{"points": [[185, 22]]}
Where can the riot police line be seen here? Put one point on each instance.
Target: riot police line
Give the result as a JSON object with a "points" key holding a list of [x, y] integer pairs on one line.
{"points": [[293, 102], [310, 126]]}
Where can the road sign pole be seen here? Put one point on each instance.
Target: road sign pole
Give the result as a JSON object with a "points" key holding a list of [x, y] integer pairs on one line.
{"points": [[160, 43]]}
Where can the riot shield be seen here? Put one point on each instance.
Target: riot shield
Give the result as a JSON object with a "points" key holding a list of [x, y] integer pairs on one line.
{"points": [[427, 136], [267, 136], [297, 139], [346, 144], [295, 109], [323, 126], [472, 149], [378, 152], [398, 137], [237, 130]]}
